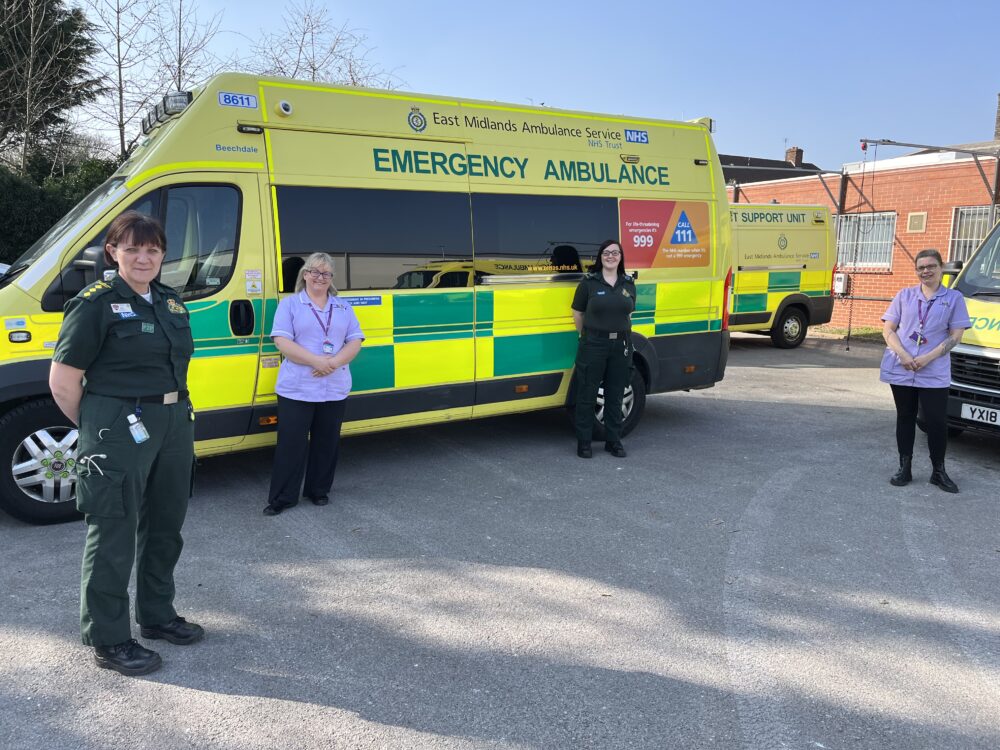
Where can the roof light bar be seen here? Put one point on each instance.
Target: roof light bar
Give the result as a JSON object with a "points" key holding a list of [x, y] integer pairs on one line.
{"points": [[176, 101]]}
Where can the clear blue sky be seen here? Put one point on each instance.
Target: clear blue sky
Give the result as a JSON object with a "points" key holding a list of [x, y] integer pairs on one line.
{"points": [[816, 75]]}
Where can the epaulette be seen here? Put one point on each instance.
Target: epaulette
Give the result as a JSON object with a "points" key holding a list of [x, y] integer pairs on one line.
{"points": [[95, 290]]}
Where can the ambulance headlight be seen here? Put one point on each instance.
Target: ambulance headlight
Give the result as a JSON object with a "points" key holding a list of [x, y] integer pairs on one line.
{"points": [[176, 101]]}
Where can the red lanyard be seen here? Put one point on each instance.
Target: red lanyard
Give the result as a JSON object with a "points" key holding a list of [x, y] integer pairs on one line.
{"points": [[329, 315]]}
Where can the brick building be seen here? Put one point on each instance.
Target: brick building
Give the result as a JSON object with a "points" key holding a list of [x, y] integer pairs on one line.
{"points": [[889, 210]]}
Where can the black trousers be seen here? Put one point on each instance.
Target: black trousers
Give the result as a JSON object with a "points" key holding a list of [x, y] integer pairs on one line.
{"points": [[607, 362], [933, 403], [308, 443]]}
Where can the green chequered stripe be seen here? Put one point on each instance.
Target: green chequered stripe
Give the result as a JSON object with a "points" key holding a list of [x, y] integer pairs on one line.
{"points": [[538, 352], [374, 368], [816, 292], [750, 303], [412, 310], [689, 326], [784, 281], [484, 314], [645, 298]]}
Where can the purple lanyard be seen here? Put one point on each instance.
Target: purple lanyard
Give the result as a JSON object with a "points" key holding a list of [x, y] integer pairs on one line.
{"points": [[921, 315], [329, 315]]}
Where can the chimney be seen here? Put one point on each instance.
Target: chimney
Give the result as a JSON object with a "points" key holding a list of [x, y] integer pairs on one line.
{"points": [[794, 155], [996, 129]]}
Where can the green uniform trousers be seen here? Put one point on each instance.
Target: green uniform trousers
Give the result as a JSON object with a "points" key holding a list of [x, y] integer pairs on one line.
{"points": [[134, 497], [601, 360]]}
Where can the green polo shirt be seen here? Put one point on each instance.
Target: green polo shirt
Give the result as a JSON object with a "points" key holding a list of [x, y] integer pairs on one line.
{"points": [[605, 307], [127, 346]]}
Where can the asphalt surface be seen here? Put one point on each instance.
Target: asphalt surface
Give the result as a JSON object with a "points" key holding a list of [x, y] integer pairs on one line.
{"points": [[746, 578]]}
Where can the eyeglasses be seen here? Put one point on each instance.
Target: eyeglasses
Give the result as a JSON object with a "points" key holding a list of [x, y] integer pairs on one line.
{"points": [[927, 269], [611, 253], [324, 275]]}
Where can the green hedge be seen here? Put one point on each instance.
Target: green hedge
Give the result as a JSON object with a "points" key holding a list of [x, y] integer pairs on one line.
{"points": [[27, 209]]}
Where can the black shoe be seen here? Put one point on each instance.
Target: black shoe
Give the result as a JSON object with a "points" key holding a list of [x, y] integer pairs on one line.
{"points": [[616, 449], [942, 480], [321, 500], [128, 658], [273, 510], [178, 631], [904, 475], [583, 449]]}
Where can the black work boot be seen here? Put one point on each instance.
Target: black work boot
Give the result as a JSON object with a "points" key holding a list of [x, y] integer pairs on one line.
{"points": [[178, 631], [903, 476], [128, 658], [583, 449], [942, 480]]}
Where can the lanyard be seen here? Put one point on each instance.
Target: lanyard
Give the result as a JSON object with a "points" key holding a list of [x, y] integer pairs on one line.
{"points": [[329, 315], [921, 315]]}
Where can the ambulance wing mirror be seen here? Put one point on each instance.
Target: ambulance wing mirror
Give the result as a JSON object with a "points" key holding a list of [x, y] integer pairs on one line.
{"points": [[91, 264], [950, 271]]}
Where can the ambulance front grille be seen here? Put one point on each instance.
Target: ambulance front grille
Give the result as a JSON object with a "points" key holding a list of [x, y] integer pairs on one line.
{"points": [[972, 369]]}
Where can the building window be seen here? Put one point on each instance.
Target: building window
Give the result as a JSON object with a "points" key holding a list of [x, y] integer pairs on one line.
{"points": [[865, 240], [968, 227]]}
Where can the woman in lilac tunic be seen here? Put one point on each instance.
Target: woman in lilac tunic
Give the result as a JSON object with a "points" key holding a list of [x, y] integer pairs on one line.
{"points": [[318, 334], [922, 325]]}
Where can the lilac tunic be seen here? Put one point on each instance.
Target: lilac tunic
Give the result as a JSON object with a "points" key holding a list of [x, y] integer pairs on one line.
{"points": [[944, 311], [296, 319]]}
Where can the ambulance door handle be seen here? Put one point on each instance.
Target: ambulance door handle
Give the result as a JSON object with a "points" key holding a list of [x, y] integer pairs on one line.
{"points": [[241, 317]]}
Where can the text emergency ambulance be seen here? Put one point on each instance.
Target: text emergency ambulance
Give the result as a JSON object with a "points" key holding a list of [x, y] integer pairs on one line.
{"points": [[783, 260], [250, 175], [974, 397]]}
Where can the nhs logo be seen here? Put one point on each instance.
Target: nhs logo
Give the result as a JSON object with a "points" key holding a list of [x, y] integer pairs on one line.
{"points": [[636, 136]]}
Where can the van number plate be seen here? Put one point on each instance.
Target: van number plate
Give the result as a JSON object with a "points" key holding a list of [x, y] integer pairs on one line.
{"points": [[981, 414], [228, 99]]}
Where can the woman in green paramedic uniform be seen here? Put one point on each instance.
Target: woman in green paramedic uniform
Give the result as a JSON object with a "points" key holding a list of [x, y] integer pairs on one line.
{"points": [[602, 312], [120, 372]]}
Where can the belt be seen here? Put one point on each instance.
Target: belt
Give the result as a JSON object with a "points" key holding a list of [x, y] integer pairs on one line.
{"points": [[160, 398], [607, 334]]}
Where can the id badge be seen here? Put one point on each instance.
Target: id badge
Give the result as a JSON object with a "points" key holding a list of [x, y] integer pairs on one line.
{"points": [[915, 336], [328, 348]]}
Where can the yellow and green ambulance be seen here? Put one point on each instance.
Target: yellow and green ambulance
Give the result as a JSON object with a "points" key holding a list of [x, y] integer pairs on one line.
{"points": [[784, 258], [459, 230], [974, 396]]}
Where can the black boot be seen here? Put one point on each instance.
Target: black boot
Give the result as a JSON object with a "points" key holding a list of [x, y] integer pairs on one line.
{"points": [[942, 480], [903, 476], [128, 658], [583, 449]]}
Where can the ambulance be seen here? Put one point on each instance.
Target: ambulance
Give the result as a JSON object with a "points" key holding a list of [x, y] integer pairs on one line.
{"points": [[459, 231], [974, 396], [784, 258]]}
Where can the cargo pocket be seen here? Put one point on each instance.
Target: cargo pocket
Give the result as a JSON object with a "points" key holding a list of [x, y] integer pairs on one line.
{"points": [[100, 494]]}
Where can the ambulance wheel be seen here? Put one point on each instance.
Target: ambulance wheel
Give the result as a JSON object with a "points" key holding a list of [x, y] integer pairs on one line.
{"points": [[633, 404], [790, 330], [38, 463]]}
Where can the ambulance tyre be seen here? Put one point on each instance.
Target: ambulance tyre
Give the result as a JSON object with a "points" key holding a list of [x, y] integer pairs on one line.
{"points": [[633, 404], [790, 330], [38, 463]]}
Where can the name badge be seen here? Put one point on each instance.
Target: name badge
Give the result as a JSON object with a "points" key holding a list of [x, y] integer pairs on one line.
{"points": [[328, 348], [121, 307], [915, 336]]}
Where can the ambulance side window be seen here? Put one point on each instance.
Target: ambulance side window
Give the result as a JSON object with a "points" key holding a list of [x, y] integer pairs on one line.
{"points": [[540, 234], [378, 239], [202, 227]]}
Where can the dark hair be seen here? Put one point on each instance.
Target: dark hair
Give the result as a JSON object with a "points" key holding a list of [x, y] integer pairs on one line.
{"points": [[138, 229], [929, 253], [596, 265]]}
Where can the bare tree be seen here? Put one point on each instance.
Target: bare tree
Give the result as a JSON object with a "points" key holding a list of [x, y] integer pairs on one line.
{"points": [[311, 46], [125, 33], [184, 49], [44, 70]]}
